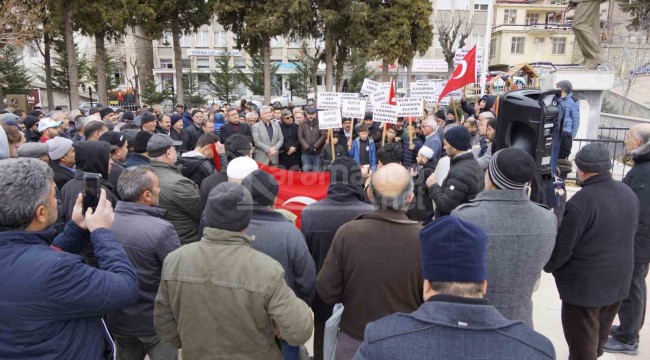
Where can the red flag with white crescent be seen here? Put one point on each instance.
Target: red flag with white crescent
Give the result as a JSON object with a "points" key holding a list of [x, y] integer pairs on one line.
{"points": [[464, 74], [298, 189]]}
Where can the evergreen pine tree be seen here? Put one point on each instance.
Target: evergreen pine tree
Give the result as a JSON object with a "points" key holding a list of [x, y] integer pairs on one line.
{"points": [[224, 79], [14, 78]]}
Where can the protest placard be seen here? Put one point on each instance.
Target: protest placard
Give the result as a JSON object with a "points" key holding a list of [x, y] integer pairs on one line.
{"points": [[369, 87], [329, 119], [349, 96], [385, 113], [424, 91], [410, 107], [329, 100], [354, 109]]}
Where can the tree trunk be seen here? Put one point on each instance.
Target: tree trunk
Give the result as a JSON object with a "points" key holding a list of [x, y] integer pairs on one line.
{"points": [[409, 73], [178, 64], [384, 70], [47, 45], [100, 62], [267, 70], [72, 58], [339, 75], [329, 61]]}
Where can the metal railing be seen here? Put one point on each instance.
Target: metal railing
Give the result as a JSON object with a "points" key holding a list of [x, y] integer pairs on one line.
{"points": [[613, 138]]}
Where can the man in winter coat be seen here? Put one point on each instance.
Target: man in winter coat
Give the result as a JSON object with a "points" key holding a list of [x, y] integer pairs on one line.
{"points": [[593, 258], [278, 238], [516, 253], [455, 322], [267, 138], [52, 303], [312, 140], [632, 311], [434, 137], [91, 157], [139, 154], [62, 160], [147, 246], [421, 208], [220, 298], [320, 222], [233, 126], [191, 134], [290, 151], [465, 178], [199, 164], [571, 118], [373, 266], [119, 152], [178, 194]]}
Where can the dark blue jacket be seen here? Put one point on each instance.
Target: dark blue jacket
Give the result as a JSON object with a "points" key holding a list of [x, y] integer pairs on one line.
{"points": [[450, 327], [51, 302], [408, 156], [571, 116], [372, 150], [134, 159]]}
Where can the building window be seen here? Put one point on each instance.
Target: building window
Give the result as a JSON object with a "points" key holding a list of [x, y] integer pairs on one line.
{"points": [[509, 16], [120, 77], [240, 63], [538, 40], [493, 48], [166, 64], [203, 38], [517, 46], [480, 7], [276, 42], [202, 63], [478, 40], [559, 46], [220, 39], [186, 63], [462, 4], [532, 18], [186, 40], [294, 42]]}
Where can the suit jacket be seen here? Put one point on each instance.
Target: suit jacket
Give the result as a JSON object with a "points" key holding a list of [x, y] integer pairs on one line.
{"points": [[229, 129], [263, 143], [447, 326]]}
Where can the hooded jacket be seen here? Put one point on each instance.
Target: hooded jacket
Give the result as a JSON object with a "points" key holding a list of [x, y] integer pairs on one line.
{"points": [[639, 180], [571, 115], [489, 102], [92, 157], [196, 167], [421, 208]]}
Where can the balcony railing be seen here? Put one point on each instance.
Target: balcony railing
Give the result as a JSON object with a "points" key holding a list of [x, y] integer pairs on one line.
{"points": [[534, 26]]}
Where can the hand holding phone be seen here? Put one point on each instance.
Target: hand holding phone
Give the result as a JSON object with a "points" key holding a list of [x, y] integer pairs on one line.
{"points": [[91, 191]]}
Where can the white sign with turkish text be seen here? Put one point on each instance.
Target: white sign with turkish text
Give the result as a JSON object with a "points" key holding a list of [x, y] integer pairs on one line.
{"points": [[424, 90], [410, 107], [329, 100], [329, 119], [369, 87], [349, 96], [385, 113], [354, 109]]}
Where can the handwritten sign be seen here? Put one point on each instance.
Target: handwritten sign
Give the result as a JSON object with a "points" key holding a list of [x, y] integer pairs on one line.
{"points": [[355, 109], [424, 91], [349, 96], [329, 100], [329, 119], [410, 107], [385, 113], [369, 87]]}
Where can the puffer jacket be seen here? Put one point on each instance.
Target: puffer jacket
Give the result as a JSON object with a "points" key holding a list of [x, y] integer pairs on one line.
{"points": [[180, 197], [571, 116], [463, 182], [224, 266], [52, 303], [196, 167]]}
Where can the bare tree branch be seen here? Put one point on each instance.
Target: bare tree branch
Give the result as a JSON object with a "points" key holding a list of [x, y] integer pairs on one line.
{"points": [[18, 22], [452, 26]]}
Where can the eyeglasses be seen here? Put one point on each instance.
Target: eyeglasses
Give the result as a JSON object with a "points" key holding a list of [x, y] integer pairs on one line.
{"points": [[287, 117]]}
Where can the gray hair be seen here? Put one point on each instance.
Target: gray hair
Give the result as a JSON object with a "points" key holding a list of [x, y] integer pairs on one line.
{"points": [[399, 202], [641, 132], [56, 114], [473, 289], [251, 114], [24, 186], [431, 122], [265, 108], [134, 181]]}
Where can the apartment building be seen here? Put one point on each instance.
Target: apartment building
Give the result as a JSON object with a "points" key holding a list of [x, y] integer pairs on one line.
{"points": [[531, 31]]}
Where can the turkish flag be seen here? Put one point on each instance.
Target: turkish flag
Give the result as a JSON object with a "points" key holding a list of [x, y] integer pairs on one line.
{"points": [[391, 94], [298, 189], [464, 74]]}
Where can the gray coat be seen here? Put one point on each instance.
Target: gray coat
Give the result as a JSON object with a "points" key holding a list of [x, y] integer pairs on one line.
{"points": [[521, 238], [263, 143]]}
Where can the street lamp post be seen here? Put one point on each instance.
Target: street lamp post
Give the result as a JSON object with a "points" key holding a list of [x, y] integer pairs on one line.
{"points": [[90, 93]]}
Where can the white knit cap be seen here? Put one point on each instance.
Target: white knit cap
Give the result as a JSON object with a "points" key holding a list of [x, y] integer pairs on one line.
{"points": [[58, 147], [426, 151], [239, 168]]}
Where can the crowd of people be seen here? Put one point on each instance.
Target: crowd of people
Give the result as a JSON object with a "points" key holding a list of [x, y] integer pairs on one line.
{"points": [[427, 237]]}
